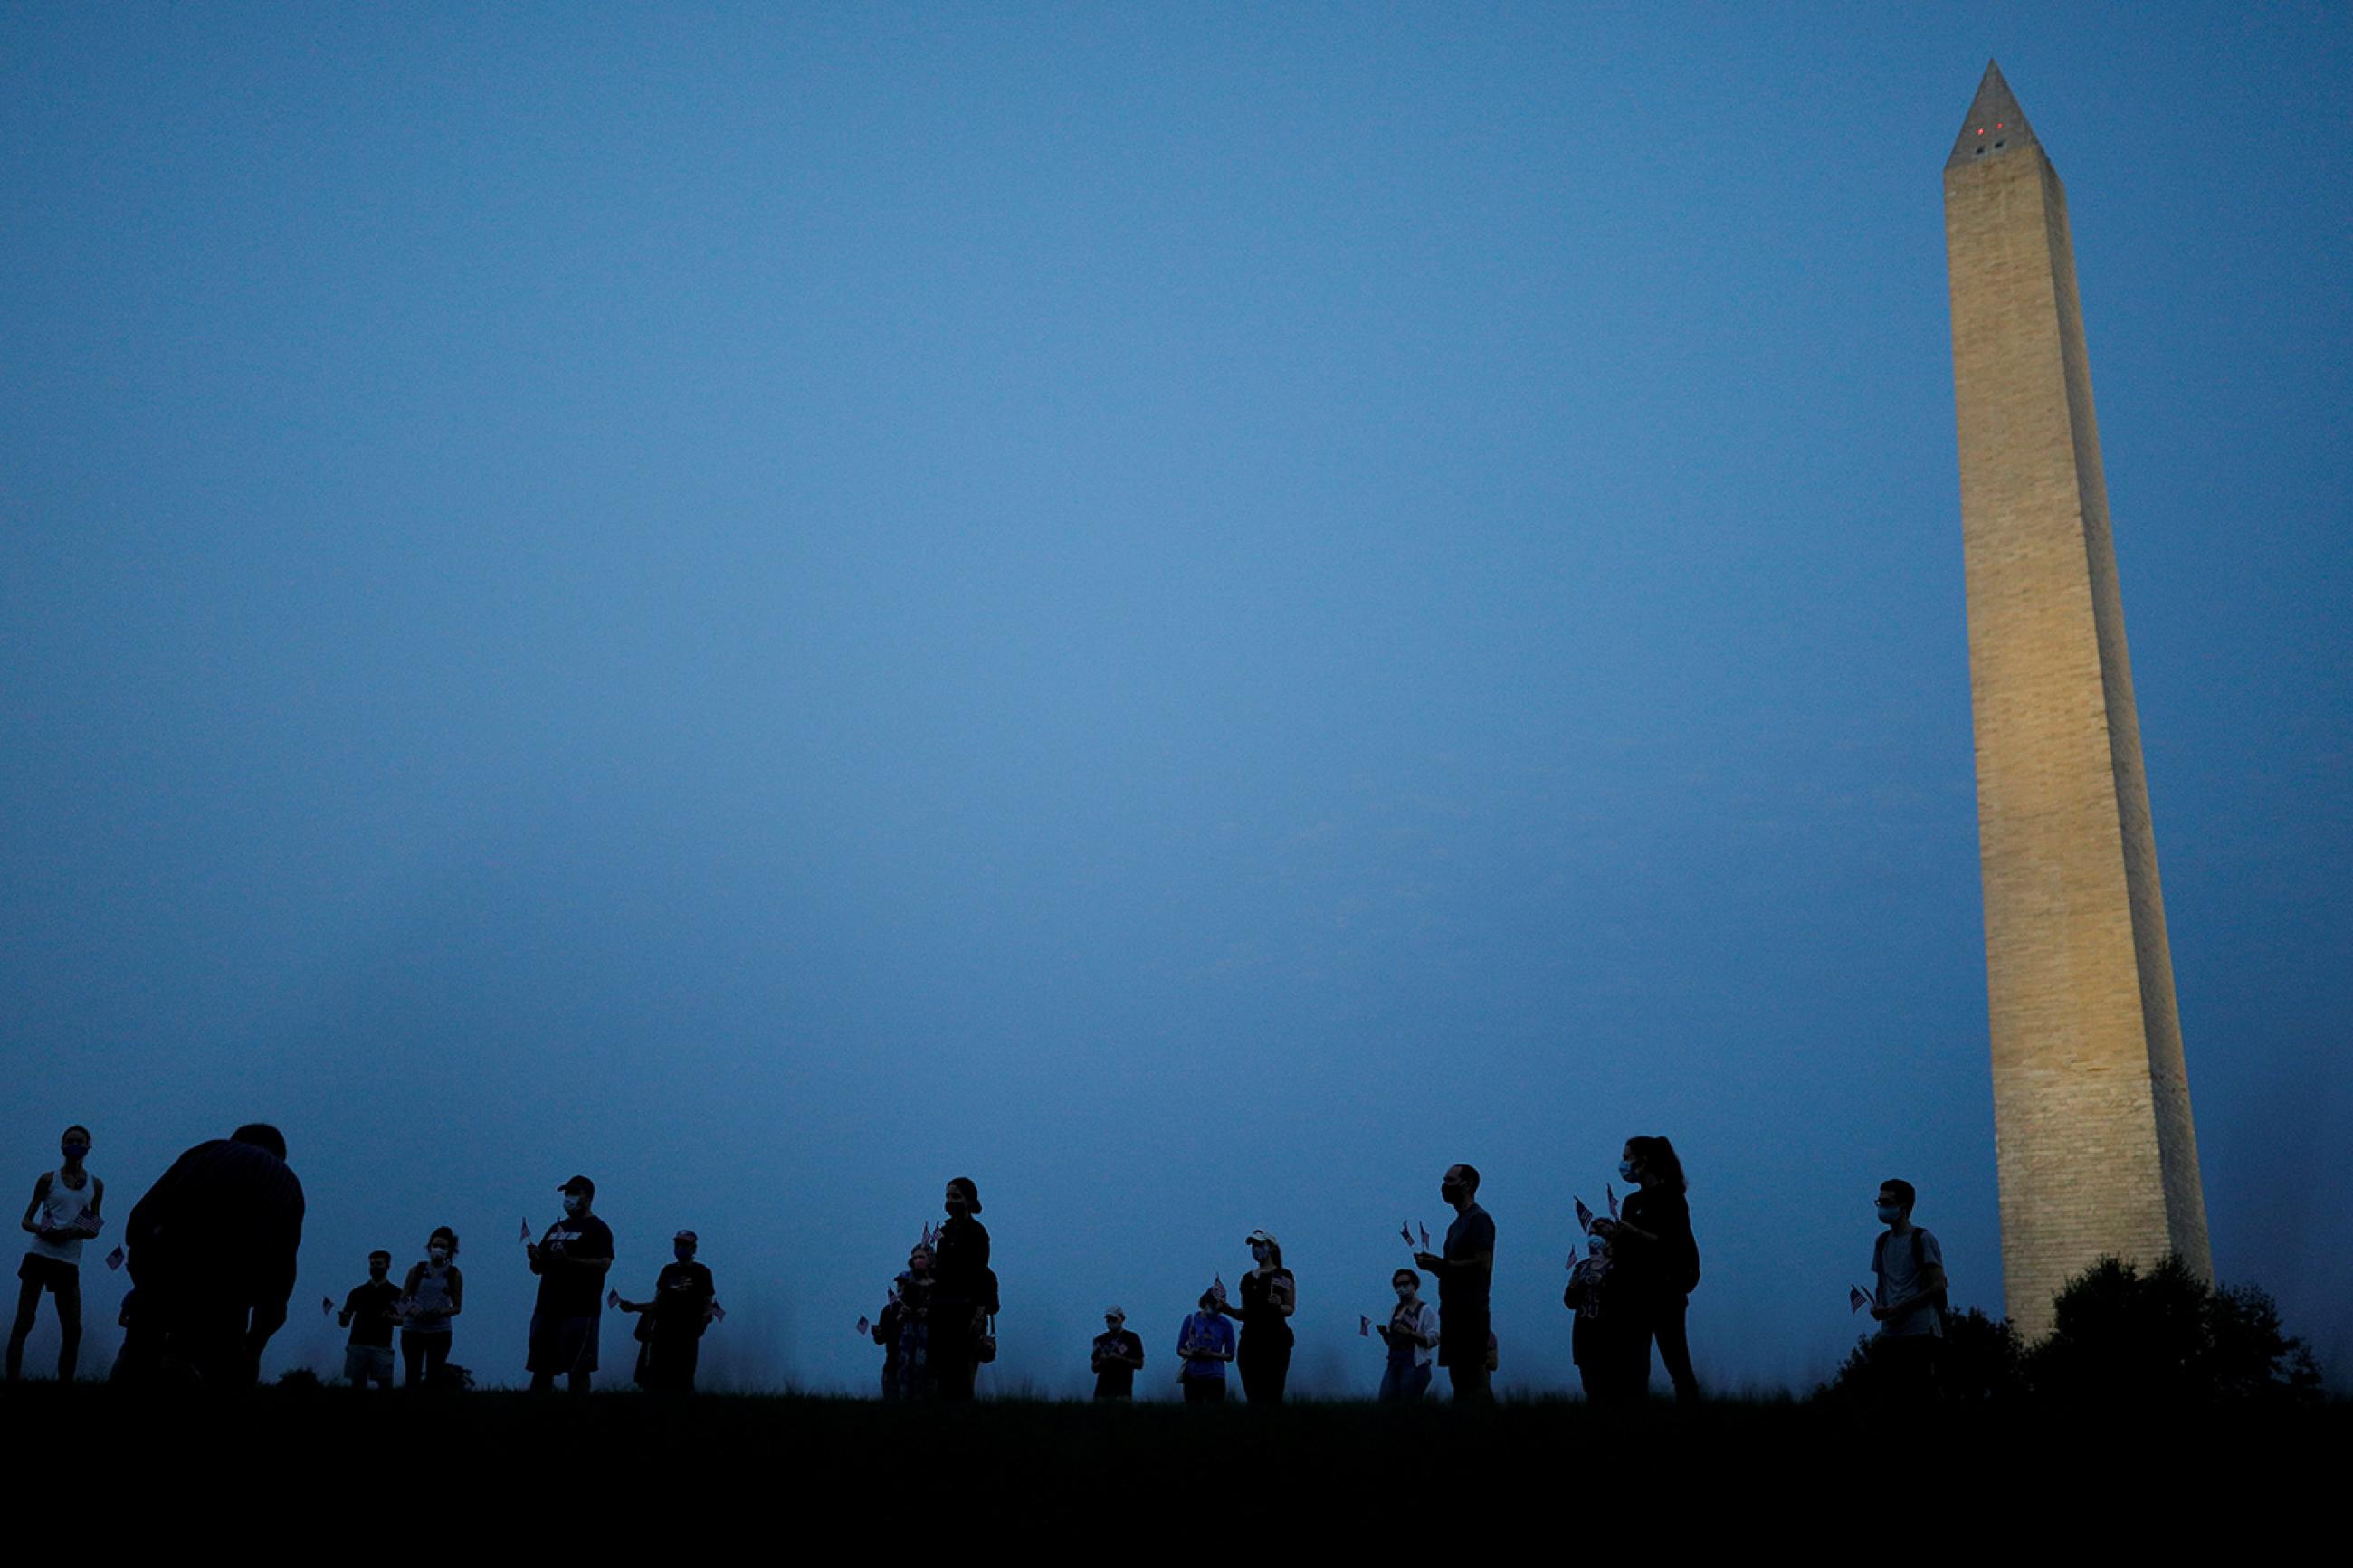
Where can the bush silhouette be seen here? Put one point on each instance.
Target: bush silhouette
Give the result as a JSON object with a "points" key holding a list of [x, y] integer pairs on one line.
{"points": [[1981, 1363], [2166, 1337]]}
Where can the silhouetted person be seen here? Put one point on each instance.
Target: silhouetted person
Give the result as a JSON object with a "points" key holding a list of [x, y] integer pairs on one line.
{"points": [[1609, 1341], [1463, 1272], [1268, 1296], [903, 1329], [369, 1312], [1117, 1357], [964, 1294], [212, 1250], [434, 1292], [1411, 1335], [1908, 1301], [677, 1313], [1204, 1345], [571, 1260], [62, 1217], [1656, 1255]]}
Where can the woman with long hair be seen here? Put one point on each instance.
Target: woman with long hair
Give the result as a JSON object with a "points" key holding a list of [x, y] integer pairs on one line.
{"points": [[1656, 1254]]}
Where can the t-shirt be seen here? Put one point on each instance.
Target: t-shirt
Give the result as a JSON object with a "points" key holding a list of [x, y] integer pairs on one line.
{"points": [[370, 1306], [565, 1292], [1118, 1380], [1209, 1331], [1891, 1260], [1263, 1321], [221, 1227], [1462, 1292], [682, 1293]]}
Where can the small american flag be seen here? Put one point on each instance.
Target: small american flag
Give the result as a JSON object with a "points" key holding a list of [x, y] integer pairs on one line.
{"points": [[1364, 1327], [1425, 1238], [326, 1305], [717, 1314], [526, 1230], [863, 1326], [1611, 1194], [1855, 1300], [1405, 1229], [114, 1258], [612, 1298], [1583, 1215]]}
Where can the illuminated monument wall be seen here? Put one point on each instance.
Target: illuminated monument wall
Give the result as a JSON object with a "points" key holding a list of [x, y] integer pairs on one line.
{"points": [[2092, 1131]]}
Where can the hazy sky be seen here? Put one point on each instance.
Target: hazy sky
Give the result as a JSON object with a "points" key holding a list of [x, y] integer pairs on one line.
{"points": [[1192, 612]]}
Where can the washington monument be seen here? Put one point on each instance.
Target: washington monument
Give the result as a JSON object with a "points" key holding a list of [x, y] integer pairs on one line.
{"points": [[2092, 1133]]}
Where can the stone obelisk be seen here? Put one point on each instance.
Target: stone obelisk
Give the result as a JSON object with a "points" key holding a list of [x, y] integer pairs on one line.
{"points": [[2091, 1133]]}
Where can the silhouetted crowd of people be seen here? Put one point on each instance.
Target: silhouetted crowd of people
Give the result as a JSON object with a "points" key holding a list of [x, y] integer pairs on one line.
{"points": [[211, 1249]]}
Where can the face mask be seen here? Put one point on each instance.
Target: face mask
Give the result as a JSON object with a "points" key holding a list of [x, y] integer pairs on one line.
{"points": [[73, 1152], [956, 1207], [377, 1270], [685, 1253], [438, 1254], [1625, 1170], [1890, 1213], [1405, 1292], [574, 1203], [1258, 1254]]}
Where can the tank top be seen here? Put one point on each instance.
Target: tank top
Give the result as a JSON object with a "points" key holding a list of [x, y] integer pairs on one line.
{"points": [[62, 1205], [429, 1312]]}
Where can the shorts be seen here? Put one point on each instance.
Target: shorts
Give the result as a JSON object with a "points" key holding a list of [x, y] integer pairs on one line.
{"points": [[53, 1274], [366, 1363], [562, 1344]]}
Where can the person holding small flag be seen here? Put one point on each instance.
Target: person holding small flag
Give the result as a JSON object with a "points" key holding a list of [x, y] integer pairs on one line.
{"points": [[1204, 1345], [1270, 1295], [1907, 1301], [1117, 1357], [1411, 1335], [905, 1327], [672, 1322], [1464, 1271], [369, 1312], [62, 1217], [1608, 1341], [571, 1260]]}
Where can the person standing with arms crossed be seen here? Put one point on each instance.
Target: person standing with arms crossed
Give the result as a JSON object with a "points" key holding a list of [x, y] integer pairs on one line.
{"points": [[62, 1217], [1463, 1272]]}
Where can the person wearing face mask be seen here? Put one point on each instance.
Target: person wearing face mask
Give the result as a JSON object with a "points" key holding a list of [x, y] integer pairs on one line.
{"points": [[1270, 1295], [673, 1324], [902, 1329], [1464, 1271], [1607, 1341], [571, 1260], [368, 1311], [1411, 1334], [964, 1294], [1656, 1256], [212, 1252], [62, 1217], [1117, 1357], [434, 1292], [1907, 1301]]}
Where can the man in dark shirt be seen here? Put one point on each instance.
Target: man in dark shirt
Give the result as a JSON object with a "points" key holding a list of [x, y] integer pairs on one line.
{"points": [[1117, 1355], [368, 1313], [211, 1254], [1463, 1272], [675, 1319], [571, 1261]]}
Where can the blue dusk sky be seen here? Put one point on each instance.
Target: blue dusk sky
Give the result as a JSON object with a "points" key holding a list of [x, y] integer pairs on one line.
{"points": [[1193, 611]]}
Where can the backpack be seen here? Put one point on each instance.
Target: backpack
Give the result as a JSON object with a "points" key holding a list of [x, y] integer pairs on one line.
{"points": [[989, 1291], [1687, 1275]]}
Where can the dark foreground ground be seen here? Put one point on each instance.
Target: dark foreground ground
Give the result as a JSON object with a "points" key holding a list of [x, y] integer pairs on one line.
{"points": [[321, 1471]]}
